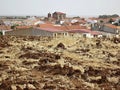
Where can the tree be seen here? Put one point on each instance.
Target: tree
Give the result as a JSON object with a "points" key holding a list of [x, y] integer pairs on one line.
{"points": [[101, 21], [115, 15], [1, 33], [108, 16], [14, 26], [110, 20]]}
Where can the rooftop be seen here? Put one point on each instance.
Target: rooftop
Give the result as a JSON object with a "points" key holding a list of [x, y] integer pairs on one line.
{"points": [[23, 27], [84, 31], [62, 27], [3, 27], [50, 29], [59, 12], [111, 26]]}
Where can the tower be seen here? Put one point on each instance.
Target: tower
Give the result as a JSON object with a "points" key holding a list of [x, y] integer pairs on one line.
{"points": [[49, 15]]}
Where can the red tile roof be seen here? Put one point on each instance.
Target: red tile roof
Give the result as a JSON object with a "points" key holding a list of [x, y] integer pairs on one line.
{"points": [[23, 27], [68, 28], [50, 29], [111, 26], [84, 31], [3, 27], [63, 27]]}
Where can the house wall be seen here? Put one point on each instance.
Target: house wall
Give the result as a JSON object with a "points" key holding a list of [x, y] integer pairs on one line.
{"points": [[19, 32], [88, 35], [95, 26], [109, 30], [76, 34], [60, 34], [30, 32], [36, 32]]}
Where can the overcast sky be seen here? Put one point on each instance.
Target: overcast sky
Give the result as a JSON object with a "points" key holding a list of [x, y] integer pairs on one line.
{"points": [[71, 7]]}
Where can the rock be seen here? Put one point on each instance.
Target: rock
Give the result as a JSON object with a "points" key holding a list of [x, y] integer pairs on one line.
{"points": [[29, 55], [98, 44], [61, 45], [19, 88], [57, 57], [113, 79], [116, 40], [49, 86], [30, 86], [13, 87]]}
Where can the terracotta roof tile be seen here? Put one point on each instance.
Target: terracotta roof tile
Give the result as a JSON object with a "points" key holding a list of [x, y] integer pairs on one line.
{"points": [[111, 26], [23, 27], [3, 27], [63, 27], [84, 31]]}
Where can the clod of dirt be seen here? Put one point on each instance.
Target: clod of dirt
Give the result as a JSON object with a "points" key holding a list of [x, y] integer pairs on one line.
{"points": [[116, 40], [61, 45], [30, 55], [49, 86]]}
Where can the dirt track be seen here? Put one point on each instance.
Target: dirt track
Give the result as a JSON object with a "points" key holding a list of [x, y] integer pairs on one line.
{"points": [[43, 63]]}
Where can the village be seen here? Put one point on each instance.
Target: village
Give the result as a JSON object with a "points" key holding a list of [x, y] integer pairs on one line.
{"points": [[66, 63], [58, 52], [57, 24]]}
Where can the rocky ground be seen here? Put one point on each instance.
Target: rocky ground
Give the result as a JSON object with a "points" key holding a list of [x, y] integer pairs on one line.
{"points": [[44, 63]]}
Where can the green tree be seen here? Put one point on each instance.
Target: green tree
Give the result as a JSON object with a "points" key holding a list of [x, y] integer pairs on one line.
{"points": [[110, 20], [101, 21], [1, 33], [14, 26]]}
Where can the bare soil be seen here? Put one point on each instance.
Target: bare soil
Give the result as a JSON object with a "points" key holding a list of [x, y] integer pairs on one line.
{"points": [[67, 63]]}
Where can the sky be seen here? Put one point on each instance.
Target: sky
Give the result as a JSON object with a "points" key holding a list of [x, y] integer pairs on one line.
{"points": [[70, 7]]}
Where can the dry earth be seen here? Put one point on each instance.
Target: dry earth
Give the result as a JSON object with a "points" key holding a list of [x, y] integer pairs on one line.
{"points": [[44, 63]]}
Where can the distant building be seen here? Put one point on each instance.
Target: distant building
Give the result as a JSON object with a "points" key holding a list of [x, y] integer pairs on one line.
{"points": [[49, 15], [59, 16], [1, 22], [109, 28], [84, 33], [49, 32], [116, 22], [49, 18]]}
